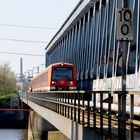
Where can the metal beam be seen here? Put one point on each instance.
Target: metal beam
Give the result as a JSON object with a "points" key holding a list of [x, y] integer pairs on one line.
{"points": [[78, 10]]}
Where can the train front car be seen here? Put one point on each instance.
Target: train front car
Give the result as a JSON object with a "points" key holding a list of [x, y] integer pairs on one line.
{"points": [[63, 76]]}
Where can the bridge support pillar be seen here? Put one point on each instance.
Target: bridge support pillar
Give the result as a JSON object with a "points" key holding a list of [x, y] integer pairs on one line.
{"points": [[21, 114], [40, 129]]}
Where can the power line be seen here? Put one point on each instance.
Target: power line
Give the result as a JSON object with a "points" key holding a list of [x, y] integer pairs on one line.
{"points": [[19, 40], [22, 54], [27, 26]]}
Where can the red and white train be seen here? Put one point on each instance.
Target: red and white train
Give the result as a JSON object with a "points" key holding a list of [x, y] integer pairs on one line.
{"points": [[57, 76]]}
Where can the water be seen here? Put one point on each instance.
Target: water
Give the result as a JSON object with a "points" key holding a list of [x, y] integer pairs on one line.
{"points": [[13, 134]]}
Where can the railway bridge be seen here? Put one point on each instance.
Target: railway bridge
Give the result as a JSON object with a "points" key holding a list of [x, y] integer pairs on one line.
{"points": [[80, 119], [101, 38]]}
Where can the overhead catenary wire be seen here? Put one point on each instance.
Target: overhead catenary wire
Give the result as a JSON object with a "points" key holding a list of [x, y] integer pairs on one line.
{"points": [[20, 40], [26, 26], [16, 53], [29, 26]]}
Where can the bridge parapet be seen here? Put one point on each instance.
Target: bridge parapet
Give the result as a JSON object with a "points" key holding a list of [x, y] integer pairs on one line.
{"points": [[102, 115]]}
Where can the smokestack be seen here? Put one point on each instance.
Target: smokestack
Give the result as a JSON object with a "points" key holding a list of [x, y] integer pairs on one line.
{"points": [[21, 70], [21, 66]]}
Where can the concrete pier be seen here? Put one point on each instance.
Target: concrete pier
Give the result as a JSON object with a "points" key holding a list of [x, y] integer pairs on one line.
{"points": [[40, 129]]}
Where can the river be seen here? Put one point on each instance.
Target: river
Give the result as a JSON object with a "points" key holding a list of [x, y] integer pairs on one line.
{"points": [[13, 134]]}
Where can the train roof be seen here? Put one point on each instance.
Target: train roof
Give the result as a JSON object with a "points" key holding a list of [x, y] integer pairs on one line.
{"points": [[61, 64]]}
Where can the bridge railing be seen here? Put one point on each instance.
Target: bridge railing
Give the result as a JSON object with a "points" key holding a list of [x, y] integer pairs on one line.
{"points": [[99, 113]]}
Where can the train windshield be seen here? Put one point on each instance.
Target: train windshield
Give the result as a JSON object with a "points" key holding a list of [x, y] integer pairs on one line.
{"points": [[61, 73]]}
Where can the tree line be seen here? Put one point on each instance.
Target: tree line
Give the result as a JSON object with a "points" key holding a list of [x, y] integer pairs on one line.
{"points": [[7, 80]]}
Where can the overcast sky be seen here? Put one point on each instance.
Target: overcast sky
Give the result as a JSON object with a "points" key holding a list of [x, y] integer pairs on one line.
{"points": [[21, 21]]}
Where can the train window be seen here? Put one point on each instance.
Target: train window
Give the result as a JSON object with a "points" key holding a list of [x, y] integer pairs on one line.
{"points": [[62, 73]]}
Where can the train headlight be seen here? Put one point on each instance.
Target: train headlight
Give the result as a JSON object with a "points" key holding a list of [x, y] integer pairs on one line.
{"points": [[71, 82], [53, 82]]}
